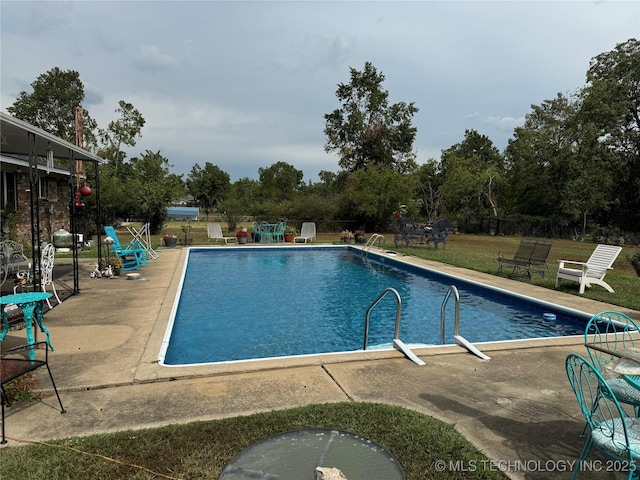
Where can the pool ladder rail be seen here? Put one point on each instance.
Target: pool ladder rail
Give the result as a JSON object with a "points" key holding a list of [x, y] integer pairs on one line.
{"points": [[400, 345], [397, 343], [459, 339], [376, 237]]}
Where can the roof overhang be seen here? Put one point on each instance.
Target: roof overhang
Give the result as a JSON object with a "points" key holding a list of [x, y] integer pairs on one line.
{"points": [[16, 164], [14, 140]]}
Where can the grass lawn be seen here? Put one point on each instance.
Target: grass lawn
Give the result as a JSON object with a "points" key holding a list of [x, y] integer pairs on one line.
{"points": [[201, 450]]}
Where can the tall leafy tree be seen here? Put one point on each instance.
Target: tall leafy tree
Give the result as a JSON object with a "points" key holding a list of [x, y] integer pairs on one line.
{"points": [[52, 105], [280, 181], [534, 156], [123, 131], [473, 172], [429, 189], [151, 189], [208, 185], [366, 130], [373, 194], [557, 166], [611, 109]]}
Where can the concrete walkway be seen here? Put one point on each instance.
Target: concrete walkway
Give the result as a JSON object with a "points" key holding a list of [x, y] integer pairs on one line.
{"points": [[517, 407]]}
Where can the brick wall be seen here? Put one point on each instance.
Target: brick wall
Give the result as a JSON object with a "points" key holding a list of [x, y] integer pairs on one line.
{"points": [[54, 210]]}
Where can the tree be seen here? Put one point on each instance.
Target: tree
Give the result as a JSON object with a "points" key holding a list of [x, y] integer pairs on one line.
{"points": [[208, 185], [152, 189], [366, 130], [428, 189], [557, 167], [472, 173], [280, 181], [125, 130], [373, 194], [611, 106], [52, 105]]}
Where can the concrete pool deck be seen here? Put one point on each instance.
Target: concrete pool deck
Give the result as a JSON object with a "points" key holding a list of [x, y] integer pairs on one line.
{"points": [[517, 407]]}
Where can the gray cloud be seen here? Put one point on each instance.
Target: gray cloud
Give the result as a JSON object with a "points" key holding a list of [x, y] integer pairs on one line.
{"points": [[246, 84]]}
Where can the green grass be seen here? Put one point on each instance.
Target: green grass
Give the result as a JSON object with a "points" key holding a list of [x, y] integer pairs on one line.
{"points": [[479, 253], [201, 450]]}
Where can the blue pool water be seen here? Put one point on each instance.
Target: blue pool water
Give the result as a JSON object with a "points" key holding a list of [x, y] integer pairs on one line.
{"points": [[250, 303]]}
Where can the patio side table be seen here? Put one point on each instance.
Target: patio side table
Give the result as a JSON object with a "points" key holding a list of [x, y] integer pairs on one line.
{"points": [[29, 303]]}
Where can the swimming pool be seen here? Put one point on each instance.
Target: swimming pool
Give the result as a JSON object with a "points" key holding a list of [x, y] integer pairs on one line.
{"points": [[245, 303]]}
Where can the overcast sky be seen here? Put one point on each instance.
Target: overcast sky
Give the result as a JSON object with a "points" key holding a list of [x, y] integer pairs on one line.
{"points": [[245, 84]]}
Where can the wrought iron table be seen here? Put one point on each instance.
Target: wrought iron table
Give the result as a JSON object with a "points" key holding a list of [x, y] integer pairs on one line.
{"points": [[29, 303], [295, 456]]}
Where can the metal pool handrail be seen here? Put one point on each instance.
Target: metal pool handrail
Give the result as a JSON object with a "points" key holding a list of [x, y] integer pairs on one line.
{"points": [[373, 304], [459, 339], [456, 325], [372, 239]]}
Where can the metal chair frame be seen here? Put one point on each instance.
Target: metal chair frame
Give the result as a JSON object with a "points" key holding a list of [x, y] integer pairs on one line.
{"points": [[612, 431], [16, 362]]}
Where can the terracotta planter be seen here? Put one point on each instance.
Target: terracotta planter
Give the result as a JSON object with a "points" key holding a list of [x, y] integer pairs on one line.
{"points": [[288, 237]]}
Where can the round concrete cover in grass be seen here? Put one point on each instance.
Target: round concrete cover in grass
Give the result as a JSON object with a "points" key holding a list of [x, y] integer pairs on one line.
{"points": [[295, 456]]}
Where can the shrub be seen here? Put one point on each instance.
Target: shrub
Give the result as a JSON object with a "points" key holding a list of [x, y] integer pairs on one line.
{"points": [[634, 260]]}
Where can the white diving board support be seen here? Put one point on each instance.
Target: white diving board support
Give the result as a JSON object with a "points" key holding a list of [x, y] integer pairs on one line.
{"points": [[400, 345], [460, 340]]}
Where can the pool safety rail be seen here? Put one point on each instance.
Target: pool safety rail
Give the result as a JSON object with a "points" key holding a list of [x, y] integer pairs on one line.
{"points": [[397, 343], [400, 345], [459, 339], [376, 237]]}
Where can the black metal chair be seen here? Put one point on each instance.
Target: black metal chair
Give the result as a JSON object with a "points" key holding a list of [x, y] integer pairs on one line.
{"points": [[16, 362]]}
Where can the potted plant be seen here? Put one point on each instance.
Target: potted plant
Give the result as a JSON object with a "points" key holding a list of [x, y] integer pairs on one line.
{"points": [[116, 265], [242, 235], [289, 233], [346, 236], [170, 240]]}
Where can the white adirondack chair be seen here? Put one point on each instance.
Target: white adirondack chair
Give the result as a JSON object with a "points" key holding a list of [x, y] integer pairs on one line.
{"points": [[592, 271]]}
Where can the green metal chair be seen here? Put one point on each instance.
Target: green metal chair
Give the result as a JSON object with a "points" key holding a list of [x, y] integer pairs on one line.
{"points": [[606, 333], [612, 431], [278, 232]]}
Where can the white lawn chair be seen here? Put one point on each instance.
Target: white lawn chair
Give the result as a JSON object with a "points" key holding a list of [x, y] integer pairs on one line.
{"points": [[143, 237], [47, 256], [214, 232], [46, 270], [307, 233], [592, 271]]}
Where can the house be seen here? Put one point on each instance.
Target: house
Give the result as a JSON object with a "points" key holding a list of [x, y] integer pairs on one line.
{"points": [[39, 175]]}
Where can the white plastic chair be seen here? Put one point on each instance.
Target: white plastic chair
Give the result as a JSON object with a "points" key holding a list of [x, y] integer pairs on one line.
{"points": [[214, 232], [307, 233]]}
